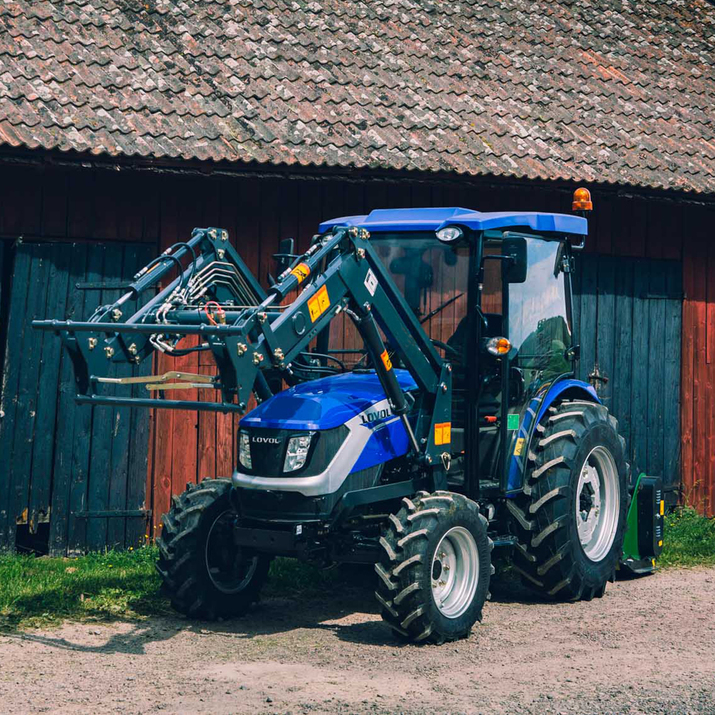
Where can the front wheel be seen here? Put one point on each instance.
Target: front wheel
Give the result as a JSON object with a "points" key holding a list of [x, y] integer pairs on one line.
{"points": [[571, 519], [435, 566], [203, 572]]}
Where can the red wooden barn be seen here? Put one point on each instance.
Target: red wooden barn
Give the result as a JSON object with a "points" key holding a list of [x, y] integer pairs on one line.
{"points": [[123, 125]]}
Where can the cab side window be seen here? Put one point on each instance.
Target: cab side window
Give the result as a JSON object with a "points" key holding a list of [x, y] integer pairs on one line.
{"points": [[537, 318]]}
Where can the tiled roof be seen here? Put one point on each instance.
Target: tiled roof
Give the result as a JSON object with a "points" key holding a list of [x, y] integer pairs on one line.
{"points": [[594, 90]]}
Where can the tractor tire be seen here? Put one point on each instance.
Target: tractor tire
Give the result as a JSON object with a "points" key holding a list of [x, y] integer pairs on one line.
{"points": [[434, 568], [203, 573], [571, 519]]}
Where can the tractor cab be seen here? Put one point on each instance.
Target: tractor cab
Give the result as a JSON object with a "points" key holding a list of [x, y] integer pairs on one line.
{"points": [[493, 293]]}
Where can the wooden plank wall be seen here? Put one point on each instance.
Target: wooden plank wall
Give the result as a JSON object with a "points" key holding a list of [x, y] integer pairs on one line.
{"points": [[627, 313], [59, 227], [698, 373], [62, 462], [68, 204]]}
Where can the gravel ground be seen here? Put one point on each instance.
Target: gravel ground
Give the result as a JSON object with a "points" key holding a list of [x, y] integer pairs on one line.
{"points": [[647, 647]]}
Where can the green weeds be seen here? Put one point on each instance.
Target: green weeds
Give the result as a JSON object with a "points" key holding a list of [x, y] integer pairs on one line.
{"points": [[109, 586], [37, 591], [689, 539]]}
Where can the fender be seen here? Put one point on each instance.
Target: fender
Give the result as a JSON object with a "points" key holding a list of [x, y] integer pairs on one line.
{"points": [[560, 389], [577, 389]]}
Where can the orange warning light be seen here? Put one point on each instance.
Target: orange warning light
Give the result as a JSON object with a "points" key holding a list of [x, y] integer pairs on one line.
{"points": [[582, 200], [498, 346]]}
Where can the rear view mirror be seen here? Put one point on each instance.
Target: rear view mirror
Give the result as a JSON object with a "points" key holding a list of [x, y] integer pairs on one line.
{"points": [[515, 265]]}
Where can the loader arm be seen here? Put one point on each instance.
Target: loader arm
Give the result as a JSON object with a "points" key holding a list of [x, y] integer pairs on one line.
{"points": [[340, 272]]}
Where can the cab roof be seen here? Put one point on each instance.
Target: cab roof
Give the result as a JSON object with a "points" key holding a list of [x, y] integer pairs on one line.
{"points": [[432, 219]]}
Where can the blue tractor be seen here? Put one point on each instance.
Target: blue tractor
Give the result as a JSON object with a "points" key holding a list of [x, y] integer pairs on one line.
{"points": [[460, 427]]}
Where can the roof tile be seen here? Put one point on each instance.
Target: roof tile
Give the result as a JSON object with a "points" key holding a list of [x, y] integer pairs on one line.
{"points": [[618, 92]]}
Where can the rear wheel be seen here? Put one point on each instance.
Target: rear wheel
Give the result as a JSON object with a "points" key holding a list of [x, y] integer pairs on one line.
{"points": [[203, 572], [435, 566], [571, 519]]}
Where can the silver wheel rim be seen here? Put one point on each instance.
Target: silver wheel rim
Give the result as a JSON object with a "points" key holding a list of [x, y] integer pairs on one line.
{"points": [[455, 572], [598, 502], [227, 568]]}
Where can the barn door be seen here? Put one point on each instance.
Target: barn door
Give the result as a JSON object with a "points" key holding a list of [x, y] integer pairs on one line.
{"points": [[627, 315], [71, 478]]}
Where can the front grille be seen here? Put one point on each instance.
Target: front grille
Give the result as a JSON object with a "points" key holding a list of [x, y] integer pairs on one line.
{"points": [[277, 506], [268, 449]]}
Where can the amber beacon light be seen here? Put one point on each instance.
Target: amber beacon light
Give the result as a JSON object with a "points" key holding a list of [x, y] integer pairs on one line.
{"points": [[582, 200]]}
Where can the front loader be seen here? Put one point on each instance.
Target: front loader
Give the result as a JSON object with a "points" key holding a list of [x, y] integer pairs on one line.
{"points": [[460, 429]]}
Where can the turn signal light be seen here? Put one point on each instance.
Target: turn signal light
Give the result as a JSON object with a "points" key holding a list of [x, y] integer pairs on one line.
{"points": [[498, 346], [582, 200]]}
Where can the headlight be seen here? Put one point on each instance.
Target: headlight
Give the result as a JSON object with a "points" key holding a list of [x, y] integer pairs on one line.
{"points": [[297, 452], [448, 234], [244, 450]]}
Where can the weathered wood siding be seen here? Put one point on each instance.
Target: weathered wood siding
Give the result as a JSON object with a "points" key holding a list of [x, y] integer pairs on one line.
{"points": [[71, 477], [698, 373], [627, 313], [67, 204]]}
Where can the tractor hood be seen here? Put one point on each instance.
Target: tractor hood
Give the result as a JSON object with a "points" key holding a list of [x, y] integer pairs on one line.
{"points": [[323, 404]]}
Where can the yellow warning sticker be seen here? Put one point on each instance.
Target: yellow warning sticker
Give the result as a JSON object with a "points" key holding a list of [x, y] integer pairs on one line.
{"points": [[301, 272], [386, 360], [319, 303], [442, 433], [519, 447]]}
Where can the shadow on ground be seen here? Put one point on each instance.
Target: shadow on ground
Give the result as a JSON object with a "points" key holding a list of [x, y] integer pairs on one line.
{"points": [[281, 610]]}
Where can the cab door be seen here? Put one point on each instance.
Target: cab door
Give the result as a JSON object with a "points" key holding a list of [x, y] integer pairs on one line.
{"points": [[530, 309]]}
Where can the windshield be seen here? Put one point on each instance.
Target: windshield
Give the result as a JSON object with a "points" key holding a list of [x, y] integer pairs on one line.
{"points": [[431, 275]]}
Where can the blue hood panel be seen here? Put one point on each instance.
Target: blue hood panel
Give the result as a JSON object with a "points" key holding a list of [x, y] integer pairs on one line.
{"points": [[323, 404]]}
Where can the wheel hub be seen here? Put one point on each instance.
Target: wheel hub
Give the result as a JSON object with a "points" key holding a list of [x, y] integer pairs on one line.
{"points": [[455, 572], [597, 503], [228, 567]]}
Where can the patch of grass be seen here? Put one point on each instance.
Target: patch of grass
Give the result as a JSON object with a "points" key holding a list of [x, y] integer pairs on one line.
{"points": [[111, 586], [36, 591], [689, 539]]}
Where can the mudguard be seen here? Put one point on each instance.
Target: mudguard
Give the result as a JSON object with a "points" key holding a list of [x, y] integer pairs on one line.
{"points": [[555, 392]]}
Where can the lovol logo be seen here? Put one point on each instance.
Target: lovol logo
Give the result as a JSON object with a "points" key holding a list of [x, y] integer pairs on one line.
{"points": [[370, 417], [265, 440]]}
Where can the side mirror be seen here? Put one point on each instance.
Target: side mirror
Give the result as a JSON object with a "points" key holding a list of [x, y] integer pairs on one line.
{"points": [[515, 266], [285, 255]]}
